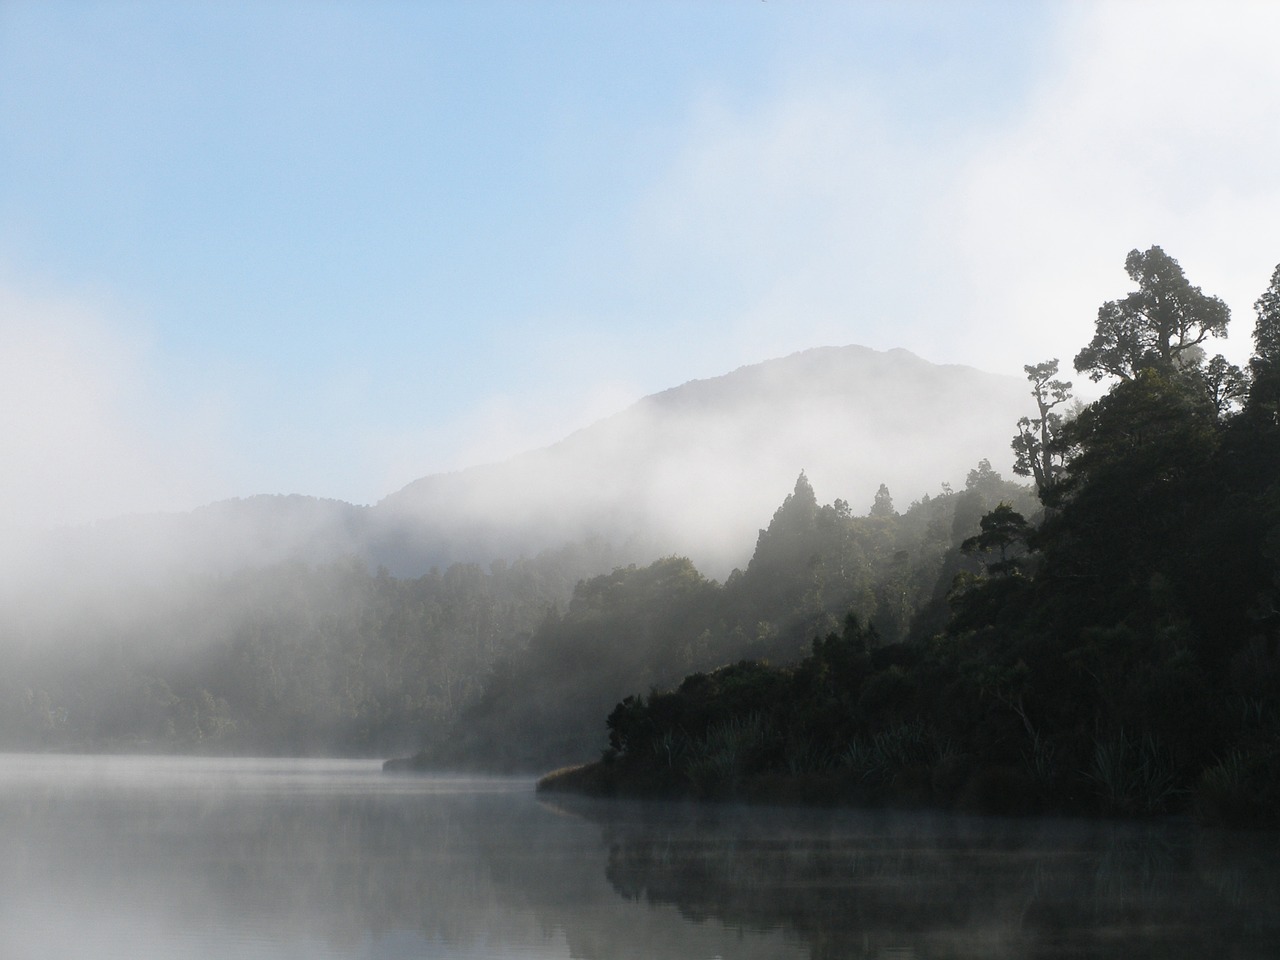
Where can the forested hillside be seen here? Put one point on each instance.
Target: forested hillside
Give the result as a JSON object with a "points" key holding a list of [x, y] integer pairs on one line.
{"points": [[498, 667], [1117, 652], [643, 627], [287, 624], [287, 659]]}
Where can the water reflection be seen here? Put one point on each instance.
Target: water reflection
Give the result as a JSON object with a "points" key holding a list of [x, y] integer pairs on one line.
{"points": [[126, 857], [121, 857], [857, 884]]}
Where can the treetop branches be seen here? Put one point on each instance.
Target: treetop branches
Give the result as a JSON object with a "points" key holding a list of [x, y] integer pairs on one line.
{"points": [[1156, 325]]}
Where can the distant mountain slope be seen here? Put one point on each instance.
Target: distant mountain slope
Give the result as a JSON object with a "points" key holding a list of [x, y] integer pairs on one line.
{"points": [[695, 470], [699, 468]]}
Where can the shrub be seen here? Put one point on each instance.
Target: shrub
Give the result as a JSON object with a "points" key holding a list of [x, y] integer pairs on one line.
{"points": [[729, 750], [1132, 776], [1242, 789]]}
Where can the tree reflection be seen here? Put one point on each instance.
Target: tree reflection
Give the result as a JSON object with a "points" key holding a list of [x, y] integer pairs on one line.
{"points": [[481, 868], [865, 885]]}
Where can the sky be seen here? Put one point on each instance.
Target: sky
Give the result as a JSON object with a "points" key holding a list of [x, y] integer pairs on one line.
{"points": [[330, 247]]}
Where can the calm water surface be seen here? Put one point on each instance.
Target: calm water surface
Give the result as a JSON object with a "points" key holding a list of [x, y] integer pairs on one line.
{"points": [[104, 857]]}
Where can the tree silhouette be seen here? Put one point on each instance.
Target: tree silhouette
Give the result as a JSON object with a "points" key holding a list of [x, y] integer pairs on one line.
{"points": [[1035, 446], [1156, 325]]}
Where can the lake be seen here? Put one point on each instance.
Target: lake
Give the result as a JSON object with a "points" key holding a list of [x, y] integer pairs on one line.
{"points": [[138, 857]]}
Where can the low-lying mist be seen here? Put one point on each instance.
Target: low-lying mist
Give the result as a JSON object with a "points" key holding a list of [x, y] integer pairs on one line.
{"points": [[695, 471], [297, 624]]}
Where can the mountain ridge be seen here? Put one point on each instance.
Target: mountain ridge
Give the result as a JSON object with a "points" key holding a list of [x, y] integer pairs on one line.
{"points": [[681, 450], [694, 469]]}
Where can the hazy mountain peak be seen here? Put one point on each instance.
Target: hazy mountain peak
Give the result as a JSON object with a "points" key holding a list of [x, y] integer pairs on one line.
{"points": [[698, 468], [695, 470]]}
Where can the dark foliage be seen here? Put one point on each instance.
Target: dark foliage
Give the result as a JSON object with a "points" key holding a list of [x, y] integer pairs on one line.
{"points": [[642, 628], [1121, 657]]}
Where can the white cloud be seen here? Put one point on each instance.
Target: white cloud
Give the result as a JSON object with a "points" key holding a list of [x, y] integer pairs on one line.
{"points": [[1154, 124], [782, 227], [82, 435], [821, 216], [502, 425]]}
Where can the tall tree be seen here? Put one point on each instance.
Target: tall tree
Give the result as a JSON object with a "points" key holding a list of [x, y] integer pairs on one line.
{"points": [[1035, 447], [1264, 395], [883, 504], [1156, 325], [1225, 383], [1004, 529]]}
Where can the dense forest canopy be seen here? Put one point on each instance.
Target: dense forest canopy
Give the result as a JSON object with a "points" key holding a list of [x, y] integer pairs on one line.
{"points": [[642, 627], [1115, 651]]}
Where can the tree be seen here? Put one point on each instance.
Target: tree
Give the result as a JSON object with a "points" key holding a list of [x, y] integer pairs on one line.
{"points": [[1002, 529], [1266, 332], [789, 536], [883, 505], [1156, 424], [1264, 395], [1225, 384], [1035, 446], [1155, 325]]}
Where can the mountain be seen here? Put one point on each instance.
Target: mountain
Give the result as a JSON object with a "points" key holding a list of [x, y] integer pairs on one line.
{"points": [[694, 470]]}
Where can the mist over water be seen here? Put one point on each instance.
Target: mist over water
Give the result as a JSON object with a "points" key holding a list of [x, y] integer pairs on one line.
{"points": [[105, 857], [140, 857], [263, 277]]}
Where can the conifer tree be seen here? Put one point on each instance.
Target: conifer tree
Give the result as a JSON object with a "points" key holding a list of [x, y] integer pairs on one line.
{"points": [[1264, 394]]}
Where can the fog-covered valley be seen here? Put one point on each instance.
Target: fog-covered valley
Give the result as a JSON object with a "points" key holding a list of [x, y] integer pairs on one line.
{"points": [[1101, 640], [293, 624], [600, 480]]}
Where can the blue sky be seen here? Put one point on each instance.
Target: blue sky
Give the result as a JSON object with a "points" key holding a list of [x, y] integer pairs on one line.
{"points": [[327, 248]]}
